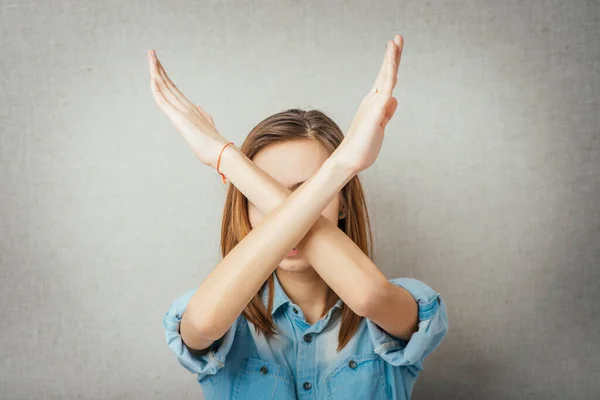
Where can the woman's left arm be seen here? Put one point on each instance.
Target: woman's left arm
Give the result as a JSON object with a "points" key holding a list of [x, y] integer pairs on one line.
{"points": [[335, 257], [327, 249]]}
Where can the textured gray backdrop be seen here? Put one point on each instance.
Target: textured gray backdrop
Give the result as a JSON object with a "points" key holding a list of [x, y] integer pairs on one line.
{"points": [[487, 186]]}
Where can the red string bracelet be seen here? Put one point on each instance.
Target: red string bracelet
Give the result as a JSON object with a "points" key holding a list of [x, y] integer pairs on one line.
{"points": [[219, 162]]}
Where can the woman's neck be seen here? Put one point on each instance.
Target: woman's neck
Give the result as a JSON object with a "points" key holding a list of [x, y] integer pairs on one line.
{"points": [[307, 290]]}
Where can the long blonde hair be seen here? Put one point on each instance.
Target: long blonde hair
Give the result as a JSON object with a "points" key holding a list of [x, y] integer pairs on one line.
{"points": [[296, 124]]}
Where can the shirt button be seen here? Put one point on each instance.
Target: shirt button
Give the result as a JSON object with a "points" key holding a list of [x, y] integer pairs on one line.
{"points": [[307, 386], [352, 364], [295, 311], [264, 370], [307, 338]]}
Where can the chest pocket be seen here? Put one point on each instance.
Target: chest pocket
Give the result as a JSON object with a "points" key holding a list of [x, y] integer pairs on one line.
{"points": [[358, 377], [260, 379]]}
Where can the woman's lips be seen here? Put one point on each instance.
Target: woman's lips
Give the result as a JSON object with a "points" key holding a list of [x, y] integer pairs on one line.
{"points": [[293, 253]]}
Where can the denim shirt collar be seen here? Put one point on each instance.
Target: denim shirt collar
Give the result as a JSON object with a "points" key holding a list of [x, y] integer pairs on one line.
{"points": [[280, 298]]}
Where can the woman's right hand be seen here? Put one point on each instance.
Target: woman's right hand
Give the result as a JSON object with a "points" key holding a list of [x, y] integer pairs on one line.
{"points": [[196, 126]]}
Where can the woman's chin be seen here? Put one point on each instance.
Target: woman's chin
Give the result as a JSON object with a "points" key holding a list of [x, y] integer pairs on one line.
{"points": [[294, 264]]}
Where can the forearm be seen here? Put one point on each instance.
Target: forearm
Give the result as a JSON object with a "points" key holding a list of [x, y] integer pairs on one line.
{"points": [[328, 249], [226, 291]]}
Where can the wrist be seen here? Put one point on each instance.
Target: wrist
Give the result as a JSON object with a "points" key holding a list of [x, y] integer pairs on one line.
{"points": [[341, 167], [229, 156], [338, 172]]}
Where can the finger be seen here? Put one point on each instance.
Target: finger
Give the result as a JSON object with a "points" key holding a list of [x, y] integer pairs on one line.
{"points": [[157, 94], [398, 43], [151, 65], [171, 86], [388, 62], [390, 73], [154, 84], [160, 82], [171, 111], [156, 80], [385, 121], [390, 110], [169, 96], [399, 40], [377, 83]]}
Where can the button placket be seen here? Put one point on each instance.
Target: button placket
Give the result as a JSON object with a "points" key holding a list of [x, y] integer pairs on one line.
{"points": [[300, 317], [305, 373]]}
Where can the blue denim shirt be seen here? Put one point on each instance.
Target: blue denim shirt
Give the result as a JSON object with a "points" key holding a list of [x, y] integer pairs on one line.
{"points": [[302, 363]]}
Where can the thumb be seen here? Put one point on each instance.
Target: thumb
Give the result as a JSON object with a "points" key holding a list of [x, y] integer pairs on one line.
{"points": [[206, 116], [389, 111]]}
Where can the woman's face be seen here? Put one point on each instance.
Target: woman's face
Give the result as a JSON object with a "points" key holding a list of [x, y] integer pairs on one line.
{"points": [[288, 163]]}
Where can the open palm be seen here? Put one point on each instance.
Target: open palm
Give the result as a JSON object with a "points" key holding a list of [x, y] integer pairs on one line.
{"points": [[362, 143], [195, 124]]}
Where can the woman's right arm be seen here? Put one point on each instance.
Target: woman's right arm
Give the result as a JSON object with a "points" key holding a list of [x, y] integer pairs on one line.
{"points": [[231, 285]]}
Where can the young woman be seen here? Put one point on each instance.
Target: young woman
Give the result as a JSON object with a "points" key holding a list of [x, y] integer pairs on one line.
{"points": [[296, 308]]}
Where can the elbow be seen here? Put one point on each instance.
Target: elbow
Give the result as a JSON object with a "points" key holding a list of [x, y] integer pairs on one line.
{"points": [[206, 332], [369, 299], [211, 331], [200, 327]]}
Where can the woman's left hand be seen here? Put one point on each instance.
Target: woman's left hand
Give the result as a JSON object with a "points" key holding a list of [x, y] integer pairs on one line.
{"points": [[361, 145]]}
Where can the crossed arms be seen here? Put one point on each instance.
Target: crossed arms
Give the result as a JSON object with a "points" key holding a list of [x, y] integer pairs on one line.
{"points": [[291, 218], [335, 257]]}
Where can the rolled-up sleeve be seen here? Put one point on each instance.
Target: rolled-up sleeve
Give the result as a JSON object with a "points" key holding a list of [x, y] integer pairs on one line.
{"points": [[433, 327], [204, 363]]}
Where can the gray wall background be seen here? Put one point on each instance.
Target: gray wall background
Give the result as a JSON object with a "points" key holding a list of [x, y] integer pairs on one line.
{"points": [[487, 186]]}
